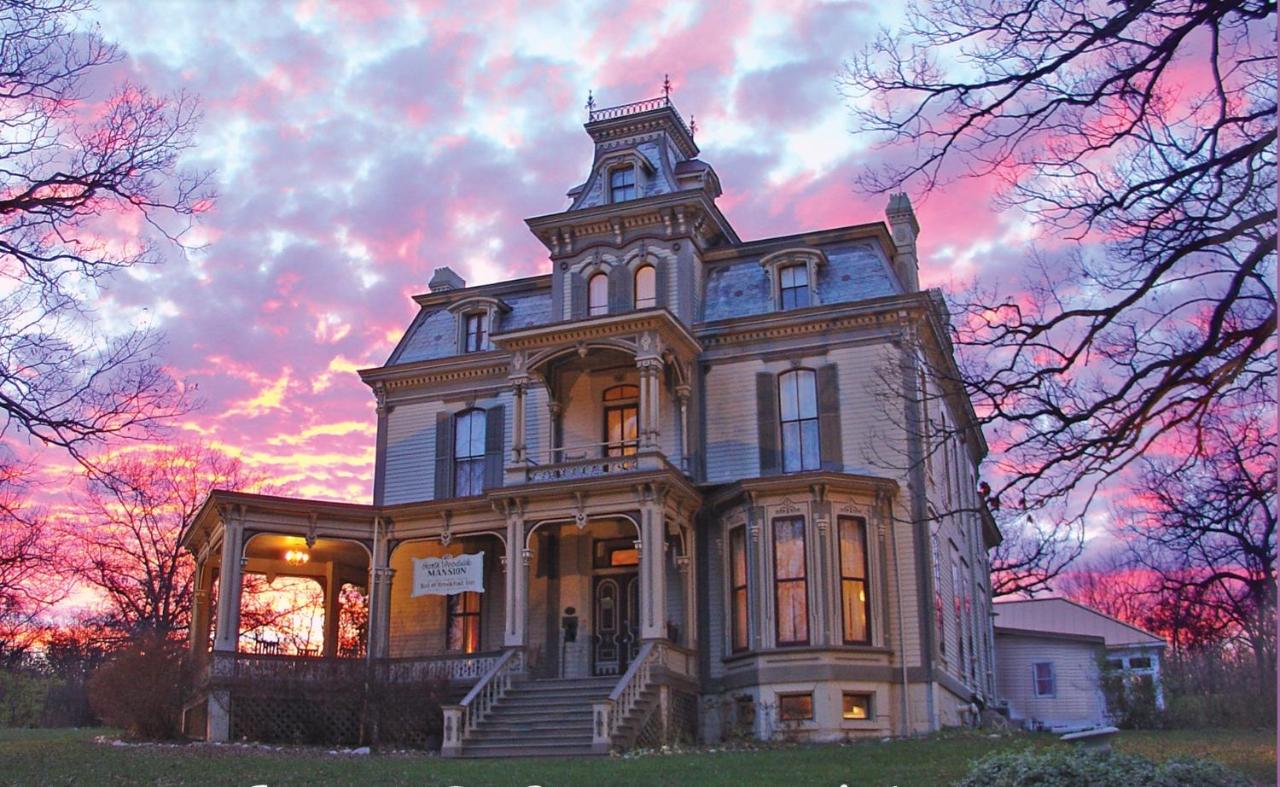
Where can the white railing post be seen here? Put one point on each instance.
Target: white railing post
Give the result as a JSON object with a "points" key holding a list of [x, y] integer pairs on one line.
{"points": [[601, 726], [451, 744]]}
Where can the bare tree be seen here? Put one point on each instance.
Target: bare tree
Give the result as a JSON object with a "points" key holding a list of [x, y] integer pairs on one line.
{"points": [[28, 579], [1155, 302], [127, 531], [1204, 523], [69, 163]]}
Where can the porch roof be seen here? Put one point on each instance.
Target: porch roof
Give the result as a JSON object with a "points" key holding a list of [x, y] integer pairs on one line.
{"points": [[616, 331]]}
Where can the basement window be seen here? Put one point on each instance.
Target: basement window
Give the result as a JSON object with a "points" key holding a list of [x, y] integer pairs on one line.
{"points": [[795, 707]]}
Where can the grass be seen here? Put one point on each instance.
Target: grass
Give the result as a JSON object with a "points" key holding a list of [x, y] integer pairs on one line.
{"points": [[30, 757]]}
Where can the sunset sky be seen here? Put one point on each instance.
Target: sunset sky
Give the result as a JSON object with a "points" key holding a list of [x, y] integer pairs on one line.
{"points": [[359, 147]]}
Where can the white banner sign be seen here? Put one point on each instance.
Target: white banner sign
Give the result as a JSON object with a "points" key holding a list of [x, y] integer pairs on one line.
{"points": [[443, 576]]}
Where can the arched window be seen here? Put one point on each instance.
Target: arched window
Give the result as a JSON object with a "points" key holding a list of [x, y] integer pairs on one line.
{"points": [[621, 420], [468, 453], [598, 295], [622, 184], [793, 286], [798, 399], [646, 287]]}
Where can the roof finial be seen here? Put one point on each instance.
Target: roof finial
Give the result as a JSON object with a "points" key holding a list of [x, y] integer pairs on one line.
{"points": [[693, 126], [666, 87], [591, 103]]}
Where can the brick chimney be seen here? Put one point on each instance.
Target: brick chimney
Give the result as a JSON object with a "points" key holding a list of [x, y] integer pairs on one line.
{"points": [[905, 230], [444, 279]]}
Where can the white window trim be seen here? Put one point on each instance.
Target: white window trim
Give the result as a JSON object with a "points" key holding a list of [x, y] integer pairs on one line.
{"points": [[1035, 680], [490, 308], [773, 264]]}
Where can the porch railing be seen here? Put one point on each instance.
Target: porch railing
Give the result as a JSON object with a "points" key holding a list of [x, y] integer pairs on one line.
{"points": [[608, 715], [267, 667], [461, 719]]}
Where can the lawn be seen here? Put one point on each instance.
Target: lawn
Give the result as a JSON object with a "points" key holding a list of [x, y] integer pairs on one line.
{"points": [[71, 756]]}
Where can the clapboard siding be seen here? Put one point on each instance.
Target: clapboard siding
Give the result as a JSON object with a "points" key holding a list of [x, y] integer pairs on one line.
{"points": [[418, 623], [411, 440], [1078, 701]]}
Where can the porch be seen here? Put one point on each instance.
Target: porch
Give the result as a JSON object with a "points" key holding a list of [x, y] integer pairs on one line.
{"points": [[603, 581]]}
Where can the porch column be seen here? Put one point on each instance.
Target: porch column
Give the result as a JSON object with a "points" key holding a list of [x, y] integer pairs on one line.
{"points": [[688, 566], [650, 374], [331, 612], [380, 576], [553, 426], [199, 639], [653, 569], [682, 405], [518, 441], [516, 560], [230, 581]]}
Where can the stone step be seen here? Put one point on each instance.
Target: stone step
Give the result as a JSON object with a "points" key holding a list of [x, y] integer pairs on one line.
{"points": [[513, 728], [552, 683], [567, 736], [528, 751], [512, 703]]}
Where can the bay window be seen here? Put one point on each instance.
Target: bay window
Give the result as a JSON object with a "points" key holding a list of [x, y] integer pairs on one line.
{"points": [[791, 588]]}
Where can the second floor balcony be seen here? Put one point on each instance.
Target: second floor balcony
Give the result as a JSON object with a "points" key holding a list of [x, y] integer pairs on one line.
{"points": [[617, 392]]}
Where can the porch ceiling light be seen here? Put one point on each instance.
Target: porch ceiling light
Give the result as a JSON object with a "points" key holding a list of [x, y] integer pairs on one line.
{"points": [[297, 557]]}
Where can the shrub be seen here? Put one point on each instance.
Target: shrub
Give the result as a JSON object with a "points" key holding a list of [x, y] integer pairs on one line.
{"points": [[22, 698], [139, 689], [1059, 767]]}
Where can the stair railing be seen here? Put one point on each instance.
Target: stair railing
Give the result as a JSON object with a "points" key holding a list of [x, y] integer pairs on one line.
{"points": [[460, 720], [608, 715]]}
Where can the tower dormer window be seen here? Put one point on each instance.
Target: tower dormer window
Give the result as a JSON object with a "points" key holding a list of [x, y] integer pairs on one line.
{"points": [[622, 184], [646, 287], [476, 332], [598, 295], [793, 286]]}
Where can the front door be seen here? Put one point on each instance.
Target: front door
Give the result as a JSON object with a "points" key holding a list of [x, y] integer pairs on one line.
{"points": [[615, 609]]}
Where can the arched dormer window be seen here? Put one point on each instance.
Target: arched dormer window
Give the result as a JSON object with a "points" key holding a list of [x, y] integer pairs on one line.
{"points": [[646, 288], [794, 274], [468, 453], [798, 408], [598, 295], [477, 318], [622, 183]]}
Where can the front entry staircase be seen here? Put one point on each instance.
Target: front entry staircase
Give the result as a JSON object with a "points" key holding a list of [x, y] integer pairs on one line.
{"points": [[507, 714], [540, 717]]}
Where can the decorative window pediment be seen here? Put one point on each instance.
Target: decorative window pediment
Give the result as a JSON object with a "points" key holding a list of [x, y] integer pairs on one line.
{"points": [[793, 276], [624, 176], [478, 318]]}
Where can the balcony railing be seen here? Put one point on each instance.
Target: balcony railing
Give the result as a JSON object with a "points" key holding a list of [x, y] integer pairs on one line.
{"points": [[635, 108], [585, 461]]}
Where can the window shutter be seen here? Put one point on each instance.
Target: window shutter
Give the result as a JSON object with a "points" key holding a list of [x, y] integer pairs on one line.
{"points": [[444, 456], [660, 284], [495, 424], [829, 418], [577, 297], [767, 416], [619, 289]]}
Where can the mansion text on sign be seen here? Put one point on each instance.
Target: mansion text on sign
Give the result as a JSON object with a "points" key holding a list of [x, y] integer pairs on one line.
{"points": [[450, 574]]}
